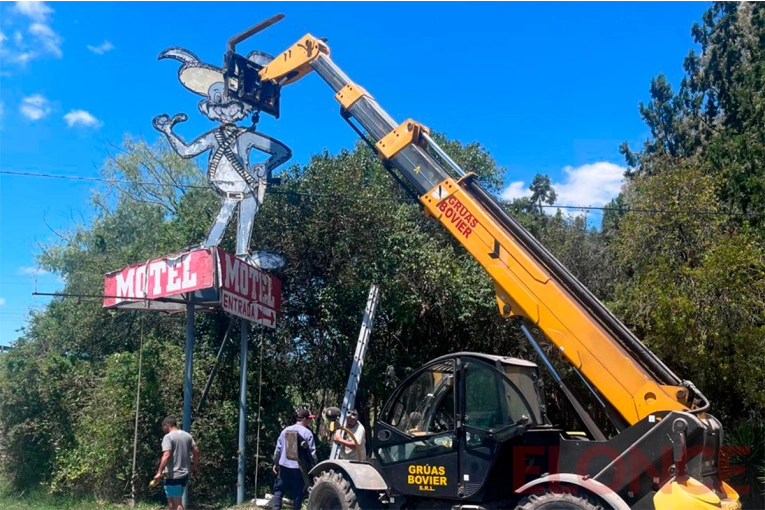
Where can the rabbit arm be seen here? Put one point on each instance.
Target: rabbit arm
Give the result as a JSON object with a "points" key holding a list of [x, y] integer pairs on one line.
{"points": [[195, 148], [279, 152]]}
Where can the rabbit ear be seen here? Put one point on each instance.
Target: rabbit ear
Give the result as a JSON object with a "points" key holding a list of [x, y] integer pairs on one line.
{"points": [[184, 55], [194, 74]]}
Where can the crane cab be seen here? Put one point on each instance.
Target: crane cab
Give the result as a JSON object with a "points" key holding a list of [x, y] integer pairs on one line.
{"points": [[442, 430]]}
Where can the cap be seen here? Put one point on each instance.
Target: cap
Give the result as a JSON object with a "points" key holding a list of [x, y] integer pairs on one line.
{"points": [[302, 414]]}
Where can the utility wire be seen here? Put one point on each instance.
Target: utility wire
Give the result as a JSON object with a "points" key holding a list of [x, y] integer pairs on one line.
{"points": [[363, 197], [96, 179], [189, 186]]}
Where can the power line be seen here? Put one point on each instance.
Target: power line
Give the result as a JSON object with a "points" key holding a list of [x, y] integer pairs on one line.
{"points": [[191, 186], [363, 197], [96, 179]]}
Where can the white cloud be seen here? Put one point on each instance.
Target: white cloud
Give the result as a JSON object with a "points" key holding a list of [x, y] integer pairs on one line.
{"points": [[103, 48], [35, 107], [590, 185], [43, 41], [23, 57], [516, 190], [2, 301], [37, 11], [35, 271], [45, 36], [81, 117]]}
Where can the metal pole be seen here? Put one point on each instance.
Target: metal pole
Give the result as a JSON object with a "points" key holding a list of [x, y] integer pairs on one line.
{"points": [[541, 353], [583, 414], [552, 370], [242, 412], [226, 338], [260, 390], [187, 380]]}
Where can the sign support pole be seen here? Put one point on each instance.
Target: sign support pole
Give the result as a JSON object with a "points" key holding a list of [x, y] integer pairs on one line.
{"points": [[242, 412], [187, 379]]}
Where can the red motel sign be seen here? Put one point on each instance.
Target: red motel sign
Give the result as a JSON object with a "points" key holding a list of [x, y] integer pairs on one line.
{"points": [[208, 277]]}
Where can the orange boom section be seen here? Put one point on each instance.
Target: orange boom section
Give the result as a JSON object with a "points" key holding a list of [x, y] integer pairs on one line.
{"points": [[525, 288]]}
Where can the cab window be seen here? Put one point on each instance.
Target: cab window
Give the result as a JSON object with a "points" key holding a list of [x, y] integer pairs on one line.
{"points": [[491, 401], [423, 411], [426, 405]]}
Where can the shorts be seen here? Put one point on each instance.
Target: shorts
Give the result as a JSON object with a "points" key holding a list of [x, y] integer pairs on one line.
{"points": [[174, 487]]}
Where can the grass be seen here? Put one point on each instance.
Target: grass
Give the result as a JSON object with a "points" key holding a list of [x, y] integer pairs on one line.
{"points": [[44, 502], [40, 500]]}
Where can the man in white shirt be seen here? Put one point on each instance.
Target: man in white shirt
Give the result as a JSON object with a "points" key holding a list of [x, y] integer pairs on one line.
{"points": [[348, 448]]}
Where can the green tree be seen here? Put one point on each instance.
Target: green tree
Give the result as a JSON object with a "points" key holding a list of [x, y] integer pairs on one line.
{"points": [[696, 288], [719, 110], [692, 271], [342, 223]]}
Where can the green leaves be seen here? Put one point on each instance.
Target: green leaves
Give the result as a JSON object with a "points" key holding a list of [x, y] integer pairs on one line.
{"points": [[718, 113], [342, 223], [693, 270], [693, 260], [697, 289]]}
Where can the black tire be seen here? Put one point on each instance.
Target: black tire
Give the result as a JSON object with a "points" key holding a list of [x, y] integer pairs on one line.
{"points": [[333, 491], [560, 501]]}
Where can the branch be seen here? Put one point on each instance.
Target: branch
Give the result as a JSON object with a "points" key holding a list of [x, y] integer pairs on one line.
{"points": [[97, 201], [138, 199], [158, 198], [176, 184], [60, 236], [117, 147]]}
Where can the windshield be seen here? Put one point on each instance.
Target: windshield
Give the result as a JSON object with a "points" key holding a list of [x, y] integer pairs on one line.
{"points": [[426, 405]]}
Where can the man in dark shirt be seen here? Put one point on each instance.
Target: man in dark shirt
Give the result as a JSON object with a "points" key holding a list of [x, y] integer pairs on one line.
{"points": [[289, 479]]}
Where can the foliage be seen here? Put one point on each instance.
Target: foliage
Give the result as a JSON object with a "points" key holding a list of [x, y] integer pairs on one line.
{"points": [[343, 224], [743, 460], [105, 425], [693, 282], [72, 428], [34, 413], [718, 113], [696, 293]]}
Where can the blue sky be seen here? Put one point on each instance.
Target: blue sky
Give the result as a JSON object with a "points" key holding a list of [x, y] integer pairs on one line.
{"points": [[549, 88]]}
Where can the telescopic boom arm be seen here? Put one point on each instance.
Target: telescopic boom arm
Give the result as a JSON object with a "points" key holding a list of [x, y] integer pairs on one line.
{"points": [[529, 282]]}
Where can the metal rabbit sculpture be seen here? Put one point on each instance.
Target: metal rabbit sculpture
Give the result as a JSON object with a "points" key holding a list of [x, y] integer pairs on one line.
{"points": [[229, 172]]}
